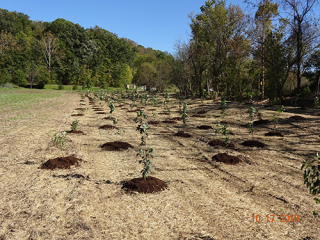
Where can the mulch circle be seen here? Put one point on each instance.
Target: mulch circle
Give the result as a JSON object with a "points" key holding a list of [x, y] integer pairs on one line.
{"points": [[297, 117], [78, 114], [164, 113], [202, 112], [182, 134], [80, 109], [100, 112], [169, 121], [272, 133], [260, 122], [124, 108], [148, 185], [152, 109], [116, 146], [198, 115], [204, 127], [97, 109], [108, 127], [61, 163], [218, 142], [176, 118], [227, 159], [154, 122], [253, 143], [76, 132]]}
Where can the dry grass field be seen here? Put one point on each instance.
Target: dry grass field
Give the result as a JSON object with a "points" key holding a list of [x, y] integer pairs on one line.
{"points": [[205, 199]]}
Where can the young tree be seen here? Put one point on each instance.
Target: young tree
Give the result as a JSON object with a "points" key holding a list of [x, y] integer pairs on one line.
{"points": [[32, 73]]}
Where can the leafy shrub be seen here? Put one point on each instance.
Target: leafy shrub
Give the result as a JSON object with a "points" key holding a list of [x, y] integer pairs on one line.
{"points": [[312, 175]]}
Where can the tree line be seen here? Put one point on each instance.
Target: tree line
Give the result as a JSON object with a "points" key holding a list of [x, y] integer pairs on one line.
{"points": [[270, 51], [64, 53], [273, 51]]}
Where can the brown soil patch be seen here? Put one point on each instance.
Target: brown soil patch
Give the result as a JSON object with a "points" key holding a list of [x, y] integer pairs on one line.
{"points": [[176, 119], [202, 112], [78, 115], [154, 122], [108, 127], [132, 111], [164, 113], [253, 143], [60, 163], [166, 132], [76, 132], [197, 115], [116, 146], [218, 142], [150, 185], [260, 122], [100, 112], [227, 159], [107, 118], [169, 121], [97, 109], [297, 117], [204, 127], [152, 109], [79, 109], [182, 134], [272, 133]]}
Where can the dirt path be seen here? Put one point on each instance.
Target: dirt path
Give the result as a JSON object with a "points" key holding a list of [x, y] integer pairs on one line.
{"points": [[204, 200]]}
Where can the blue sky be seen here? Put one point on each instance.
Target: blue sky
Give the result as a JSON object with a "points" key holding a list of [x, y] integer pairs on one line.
{"points": [[150, 23]]}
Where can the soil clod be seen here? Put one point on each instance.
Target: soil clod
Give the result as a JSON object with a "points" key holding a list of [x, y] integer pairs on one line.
{"points": [[116, 146], [253, 143], [148, 185], [277, 134], [182, 134], [218, 142], [61, 163], [204, 127], [227, 159], [108, 127]]}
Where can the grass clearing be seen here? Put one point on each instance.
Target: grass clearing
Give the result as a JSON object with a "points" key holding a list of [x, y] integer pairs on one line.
{"points": [[205, 199]]}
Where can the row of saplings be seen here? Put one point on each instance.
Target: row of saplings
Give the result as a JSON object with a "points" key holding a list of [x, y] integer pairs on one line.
{"points": [[148, 184]]}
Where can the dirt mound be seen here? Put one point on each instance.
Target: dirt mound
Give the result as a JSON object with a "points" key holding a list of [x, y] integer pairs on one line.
{"points": [[97, 109], [198, 115], [176, 119], [204, 127], [76, 132], [218, 142], [277, 134], [116, 146], [202, 112], [169, 121], [150, 185], [60, 163], [108, 127], [260, 122], [77, 115], [79, 109], [297, 117], [164, 113], [152, 109], [166, 132], [253, 143], [154, 122], [182, 134], [100, 113], [227, 159]]}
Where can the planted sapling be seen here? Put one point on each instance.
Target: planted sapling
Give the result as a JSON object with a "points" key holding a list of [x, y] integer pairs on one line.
{"points": [[146, 153], [184, 114], [74, 125], [312, 175], [59, 139], [223, 107], [276, 117], [250, 127], [223, 131]]}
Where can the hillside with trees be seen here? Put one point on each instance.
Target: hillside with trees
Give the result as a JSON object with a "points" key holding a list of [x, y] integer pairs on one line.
{"points": [[64, 53], [272, 51]]}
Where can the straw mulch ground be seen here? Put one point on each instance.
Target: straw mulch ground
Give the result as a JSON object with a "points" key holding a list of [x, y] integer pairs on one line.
{"points": [[205, 198]]}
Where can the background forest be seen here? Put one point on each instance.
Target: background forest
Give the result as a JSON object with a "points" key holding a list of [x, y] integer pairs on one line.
{"points": [[270, 52]]}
